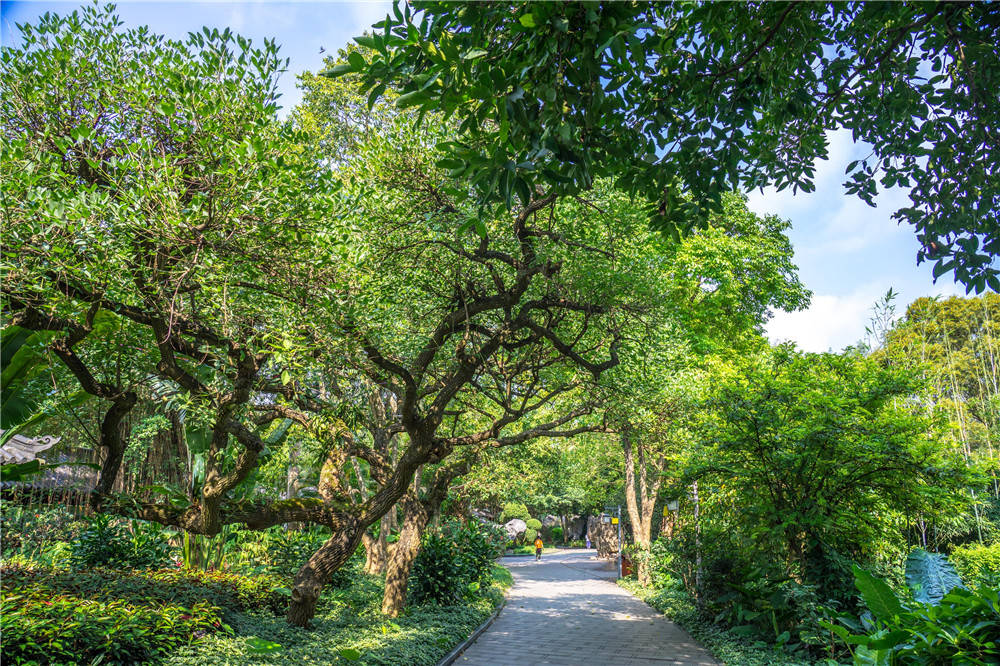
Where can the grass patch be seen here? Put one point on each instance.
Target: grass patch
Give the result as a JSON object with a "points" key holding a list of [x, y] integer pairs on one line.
{"points": [[727, 647]]}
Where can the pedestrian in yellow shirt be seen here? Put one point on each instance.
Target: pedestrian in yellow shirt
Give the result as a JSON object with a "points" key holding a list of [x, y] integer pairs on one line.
{"points": [[538, 548]]}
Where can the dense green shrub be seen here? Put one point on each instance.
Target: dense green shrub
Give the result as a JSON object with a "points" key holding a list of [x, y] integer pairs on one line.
{"points": [[533, 524], [557, 533], [349, 622], [436, 576], [40, 627], [32, 530], [479, 546], [280, 551], [453, 560], [183, 587], [978, 565], [728, 646], [512, 510], [529, 536], [104, 542], [577, 543]]}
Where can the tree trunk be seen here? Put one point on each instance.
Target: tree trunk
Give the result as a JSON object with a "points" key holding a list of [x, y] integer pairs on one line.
{"points": [[640, 505], [699, 598], [316, 573], [377, 548], [416, 516]]}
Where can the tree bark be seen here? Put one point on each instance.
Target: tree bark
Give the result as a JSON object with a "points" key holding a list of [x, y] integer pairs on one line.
{"points": [[377, 548], [416, 516], [316, 573], [640, 500]]}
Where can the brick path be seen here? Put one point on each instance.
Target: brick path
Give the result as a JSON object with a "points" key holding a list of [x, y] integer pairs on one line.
{"points": [[566, 610]]}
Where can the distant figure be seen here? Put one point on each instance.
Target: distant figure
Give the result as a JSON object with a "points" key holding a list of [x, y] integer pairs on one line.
{"points": [[538, 548], [588, 542]]}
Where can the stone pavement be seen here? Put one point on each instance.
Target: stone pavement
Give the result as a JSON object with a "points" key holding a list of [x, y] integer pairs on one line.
{"points": [[566, 610]]}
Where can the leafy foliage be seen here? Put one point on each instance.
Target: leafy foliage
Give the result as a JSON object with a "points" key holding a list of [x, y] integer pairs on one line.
{"points": [[40, 626], [453, 558], [105, 542], [512, 510], [350, 621], [930, 576], [958, 627], [677, 98], [729, 646], [807, 442], [978, 565]]}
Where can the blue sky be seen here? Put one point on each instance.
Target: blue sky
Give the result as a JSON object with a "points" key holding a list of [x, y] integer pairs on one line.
{"points": [[848, 253]]}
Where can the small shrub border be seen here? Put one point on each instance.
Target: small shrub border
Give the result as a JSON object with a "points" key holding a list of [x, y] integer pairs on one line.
{"points": [[725, 646], [183, 587], [40, 627]]}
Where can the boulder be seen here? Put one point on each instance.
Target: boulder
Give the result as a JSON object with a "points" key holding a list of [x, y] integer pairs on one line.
{"points": [[576, 528], [550, 521], [515, 528], [603, 537]]}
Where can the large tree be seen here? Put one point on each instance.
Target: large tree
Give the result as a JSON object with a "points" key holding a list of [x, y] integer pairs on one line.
{"points": [[680, 102], [148, 184], [797, 446]]}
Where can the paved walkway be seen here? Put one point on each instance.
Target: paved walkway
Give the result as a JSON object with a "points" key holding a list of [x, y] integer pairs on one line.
{"points": [[566, 610]]}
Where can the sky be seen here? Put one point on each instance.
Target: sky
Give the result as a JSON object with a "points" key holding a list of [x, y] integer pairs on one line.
{"points": [[848, 253]]}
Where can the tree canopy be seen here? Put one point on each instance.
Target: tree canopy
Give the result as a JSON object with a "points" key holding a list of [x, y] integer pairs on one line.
{"points": [[680, 102]]}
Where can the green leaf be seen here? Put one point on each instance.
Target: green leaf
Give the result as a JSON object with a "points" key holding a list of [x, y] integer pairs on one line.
{"points": [[472, 54], [165, 108], [261, 646], [350, 654], [930, 576], [527, 20], [17, 471], [411, 99], [357, 61], [337, 70], [877, 595], [890, 640]]}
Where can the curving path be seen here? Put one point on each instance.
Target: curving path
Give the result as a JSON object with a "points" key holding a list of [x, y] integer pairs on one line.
{"points": [[567, 610]]}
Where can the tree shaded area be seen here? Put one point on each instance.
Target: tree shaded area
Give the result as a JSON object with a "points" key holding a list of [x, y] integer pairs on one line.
{"points": [[320, 354]]}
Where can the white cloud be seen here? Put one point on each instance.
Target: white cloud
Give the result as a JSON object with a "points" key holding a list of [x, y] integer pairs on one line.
{"points": [[830, 323], [833, 322], [835, 221]]}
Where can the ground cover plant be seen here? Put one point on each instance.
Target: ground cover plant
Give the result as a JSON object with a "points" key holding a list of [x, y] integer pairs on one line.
{"points": [[350, 628]]}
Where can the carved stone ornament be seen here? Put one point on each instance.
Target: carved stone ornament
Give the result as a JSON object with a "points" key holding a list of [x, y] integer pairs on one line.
{"points": [[21, 449]]}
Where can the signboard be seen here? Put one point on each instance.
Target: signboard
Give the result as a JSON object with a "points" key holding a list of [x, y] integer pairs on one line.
{"points": [[614, 521]]}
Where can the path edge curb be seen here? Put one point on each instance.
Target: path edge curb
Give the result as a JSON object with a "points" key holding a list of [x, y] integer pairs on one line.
{"points": [[464, 645]]}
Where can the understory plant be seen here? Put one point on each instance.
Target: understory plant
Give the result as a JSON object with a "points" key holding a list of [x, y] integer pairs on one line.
{"points": [[939, 621], [454, 560], [106, 542], [977, 564]]}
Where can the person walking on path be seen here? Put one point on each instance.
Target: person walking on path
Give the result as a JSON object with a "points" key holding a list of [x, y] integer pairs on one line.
{"points": [[538, 548]]}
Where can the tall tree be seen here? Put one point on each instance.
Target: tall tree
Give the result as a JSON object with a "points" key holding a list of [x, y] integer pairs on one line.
{"points": [[151, 183], [800, 445]]}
